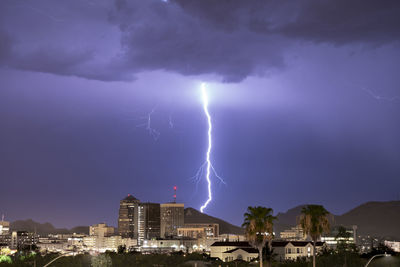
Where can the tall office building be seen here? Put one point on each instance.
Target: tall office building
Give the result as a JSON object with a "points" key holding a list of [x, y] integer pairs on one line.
{"points": [[149, 221], [172, 218], [128, 218], [152, 221]]}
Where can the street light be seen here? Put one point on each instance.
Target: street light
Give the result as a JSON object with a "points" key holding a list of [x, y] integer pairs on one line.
{"points": [[62, 255], [378, 255]]}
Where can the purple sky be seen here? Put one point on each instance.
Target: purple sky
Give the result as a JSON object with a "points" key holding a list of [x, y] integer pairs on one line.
{"points": [[304, 96]]}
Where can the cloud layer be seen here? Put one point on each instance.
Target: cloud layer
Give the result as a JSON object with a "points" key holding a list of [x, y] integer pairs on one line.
{"points": [[231, 39]]}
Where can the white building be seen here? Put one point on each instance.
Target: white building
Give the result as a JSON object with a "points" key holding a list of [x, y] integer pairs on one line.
{"points": [[170, 245], [395, 245], [292, 250], [4, 228], [225, 250], [109, 243], [245, 254]]}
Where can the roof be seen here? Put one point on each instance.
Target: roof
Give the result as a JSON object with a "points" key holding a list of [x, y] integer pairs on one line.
{"points": [[130, 198], [248, 250], [295, 243], [231, 244]]}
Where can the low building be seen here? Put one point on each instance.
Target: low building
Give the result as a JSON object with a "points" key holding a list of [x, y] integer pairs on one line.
{"points": [[199, 230], [292, 250], [395, 245], [218, 249], [23, 240], [245, 254], [101, 230], [171, 245], [4, 227], [232, 237], [109, 243], [293, 234], [332, 238]]}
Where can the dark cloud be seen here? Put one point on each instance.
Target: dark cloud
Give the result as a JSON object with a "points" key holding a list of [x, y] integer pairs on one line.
{"points": [[342, 22], [231, 39], [5, 45]]}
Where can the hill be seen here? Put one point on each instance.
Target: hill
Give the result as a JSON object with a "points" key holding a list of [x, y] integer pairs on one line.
{"points": [[380, 219], [45, 228], [374, 218], [195, 216]]}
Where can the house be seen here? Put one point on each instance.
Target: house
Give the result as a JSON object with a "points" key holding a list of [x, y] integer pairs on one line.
{"points": [[246, 254], [292, 250], [229, 251]]}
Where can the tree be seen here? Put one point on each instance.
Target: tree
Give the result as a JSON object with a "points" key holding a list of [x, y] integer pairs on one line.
{"points": [[258, 224], [102, 260], [314, 221], [121, 249]]}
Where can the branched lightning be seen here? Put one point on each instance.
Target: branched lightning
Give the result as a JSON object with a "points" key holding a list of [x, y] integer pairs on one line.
{"points": [[380, 97], [147, 125], [207, 166]]}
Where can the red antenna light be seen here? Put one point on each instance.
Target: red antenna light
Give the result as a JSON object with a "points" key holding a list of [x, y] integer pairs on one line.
{"points": [[175, 193]]}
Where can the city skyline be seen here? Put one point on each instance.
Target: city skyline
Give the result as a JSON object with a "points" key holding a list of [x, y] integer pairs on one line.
{"points": [[102, 99]]}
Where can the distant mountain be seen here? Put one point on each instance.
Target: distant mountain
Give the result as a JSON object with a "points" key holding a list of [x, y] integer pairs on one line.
{"points": [[195, 216], [45, 228], [381, 219], [374, 218]]}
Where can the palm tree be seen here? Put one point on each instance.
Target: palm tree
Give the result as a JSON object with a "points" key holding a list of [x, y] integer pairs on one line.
{"points": [[258, 224], [314, 221]]}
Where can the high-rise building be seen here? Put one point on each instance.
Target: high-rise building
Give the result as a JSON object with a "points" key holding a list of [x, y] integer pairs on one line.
{"points": [[172, 218], [128, 218], [149, 221]]}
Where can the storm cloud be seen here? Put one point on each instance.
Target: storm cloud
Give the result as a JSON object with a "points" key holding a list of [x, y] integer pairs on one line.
{"points": [[114, 41]]}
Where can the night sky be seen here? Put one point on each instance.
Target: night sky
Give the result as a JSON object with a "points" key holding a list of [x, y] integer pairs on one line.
{"points": [[304, 97]]}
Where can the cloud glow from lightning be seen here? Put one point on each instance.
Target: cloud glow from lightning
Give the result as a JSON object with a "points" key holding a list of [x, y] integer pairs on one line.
{"points": [[207, 164]]}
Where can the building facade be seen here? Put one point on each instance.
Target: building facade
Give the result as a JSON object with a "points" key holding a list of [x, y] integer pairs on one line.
{"points": [[4, 228], [172, 218], [224, 249], [149, 221], [23, 240], [292, 250], [332, 239], [128, 217], [101, 230], [199, 230], [293, 234], [244, 254]]}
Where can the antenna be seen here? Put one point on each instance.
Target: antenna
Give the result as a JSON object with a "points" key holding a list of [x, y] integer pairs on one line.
{"points": [[175, 193], [2, 217]]}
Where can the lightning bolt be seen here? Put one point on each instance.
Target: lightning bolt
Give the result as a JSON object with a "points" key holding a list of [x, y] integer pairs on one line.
{"points": [[380, 97], [147, 125], [207, 164]]}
